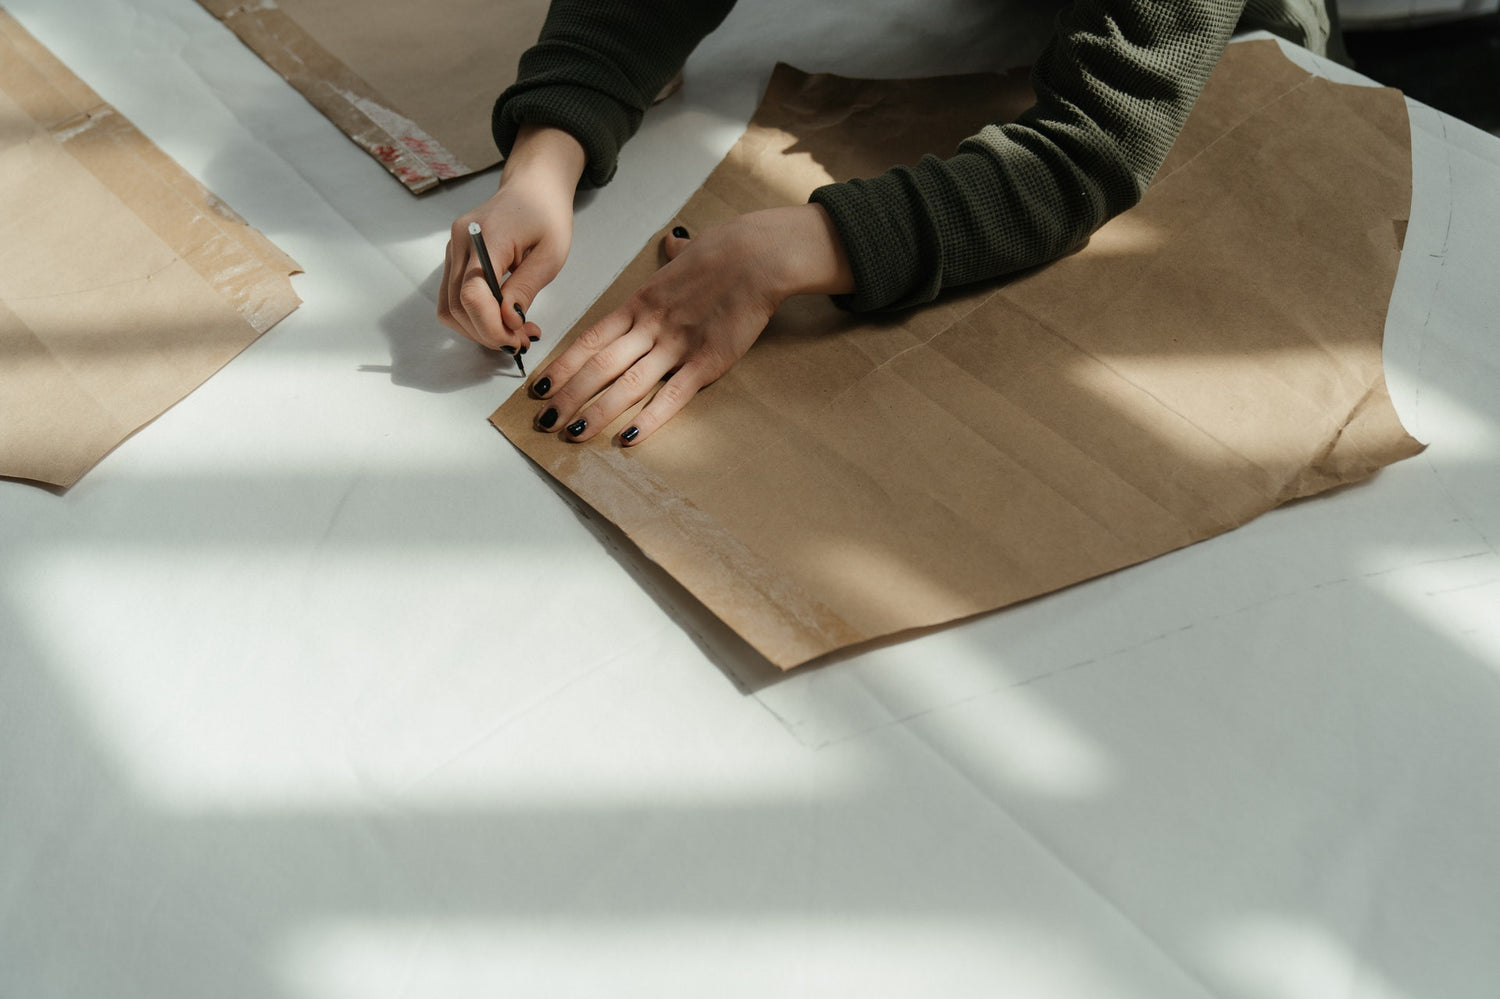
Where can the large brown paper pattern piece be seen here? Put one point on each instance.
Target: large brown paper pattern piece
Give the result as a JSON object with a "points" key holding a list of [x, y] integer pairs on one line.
{"points": [[124, 283], [1209, 355], [411, 83]]}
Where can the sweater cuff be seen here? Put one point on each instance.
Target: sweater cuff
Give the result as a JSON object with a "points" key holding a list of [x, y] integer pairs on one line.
{"points": [[600, 123], [891, 248]]}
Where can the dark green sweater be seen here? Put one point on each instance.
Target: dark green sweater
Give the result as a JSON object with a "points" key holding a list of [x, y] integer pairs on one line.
{"points": [[1114, 87]]}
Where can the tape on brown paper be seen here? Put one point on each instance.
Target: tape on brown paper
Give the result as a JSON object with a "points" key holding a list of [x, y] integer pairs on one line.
{"points": [[124, 283], [411, 83], [1211, 354]]}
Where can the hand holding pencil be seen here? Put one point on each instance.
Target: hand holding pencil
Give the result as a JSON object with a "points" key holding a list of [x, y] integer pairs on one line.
{"points": [[525, 229], [476, 236]]}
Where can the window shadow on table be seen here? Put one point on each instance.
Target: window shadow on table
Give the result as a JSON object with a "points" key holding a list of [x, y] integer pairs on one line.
{"points": [[1184, 829]]}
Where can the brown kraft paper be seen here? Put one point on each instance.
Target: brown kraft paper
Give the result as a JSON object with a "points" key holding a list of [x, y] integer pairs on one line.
{"points": [[124, 283], [1210, 354]]}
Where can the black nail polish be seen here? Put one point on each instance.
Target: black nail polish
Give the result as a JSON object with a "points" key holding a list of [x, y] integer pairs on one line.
{"points": [[630, 435], [534, 337], [519, 311], [548, 418], [542, 386], [680, 232], [577, 427], [509, 349], [524, 349]]}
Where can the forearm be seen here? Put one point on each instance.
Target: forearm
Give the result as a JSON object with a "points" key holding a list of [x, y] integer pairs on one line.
{"points": [[1113, 90], [597, 67]]}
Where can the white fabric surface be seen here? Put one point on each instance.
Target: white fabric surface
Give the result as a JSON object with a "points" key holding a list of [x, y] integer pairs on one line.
{"points": [[316, 690]]}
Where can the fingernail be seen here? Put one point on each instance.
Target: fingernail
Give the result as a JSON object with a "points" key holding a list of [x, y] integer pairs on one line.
{"points": [[577, 427], [548, 418], [680, 232], [542, 385], [630, 435], [509, 349], [523, 349], [519, 311], [534, 337]]}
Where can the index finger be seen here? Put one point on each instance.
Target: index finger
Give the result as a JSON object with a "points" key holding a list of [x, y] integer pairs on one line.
{"points": [[468, 294]]}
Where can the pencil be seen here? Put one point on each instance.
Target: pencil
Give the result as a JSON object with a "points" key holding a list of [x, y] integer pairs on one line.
{"points": [[494, 282]]}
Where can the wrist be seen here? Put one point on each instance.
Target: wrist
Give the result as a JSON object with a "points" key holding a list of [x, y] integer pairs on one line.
{"points": [[804, 253], [544, 153]]}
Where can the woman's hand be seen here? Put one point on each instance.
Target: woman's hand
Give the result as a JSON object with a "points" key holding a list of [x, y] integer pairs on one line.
{"points": [[692, 320], [528, 227]]}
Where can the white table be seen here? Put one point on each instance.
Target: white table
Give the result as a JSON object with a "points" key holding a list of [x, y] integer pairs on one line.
{"points": [[315, 689]]}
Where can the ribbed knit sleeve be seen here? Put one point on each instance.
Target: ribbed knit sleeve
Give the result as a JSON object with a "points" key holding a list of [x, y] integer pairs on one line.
{"points": [[1113, 87], [596, 69]]}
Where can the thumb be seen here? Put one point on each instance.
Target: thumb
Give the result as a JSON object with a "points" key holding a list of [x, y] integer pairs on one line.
{"points": [[675, 241], [523, 285]]}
